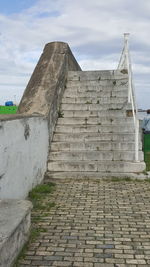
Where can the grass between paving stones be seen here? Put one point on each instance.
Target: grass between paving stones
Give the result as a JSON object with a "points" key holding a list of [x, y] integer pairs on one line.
{"points": [[38, 194], [117, 179], [125, 179], [40, 198]]}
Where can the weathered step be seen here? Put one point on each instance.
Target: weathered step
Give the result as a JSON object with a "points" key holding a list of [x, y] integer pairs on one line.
{"points": [[94, 155], [96, 166], [73, 92], [95, 120], [93, 107], [115, 83], [92, 100], [70, 137], [94, 86], [122, 128], [93, 145], [96, 113], [14, 229], [96, 75], [92, 175]]}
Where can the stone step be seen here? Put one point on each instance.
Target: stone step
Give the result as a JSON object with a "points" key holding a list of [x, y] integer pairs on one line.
{"points": [[122, 128], [93, 107], [95, 135], [72, 137], [96, 75], [96, 113], [14, 229], [92, 175], [114, 83], [94, 145], [97, 87], [94, 156], [92, 100], [95, 121], [96, 166], [95, 94]]}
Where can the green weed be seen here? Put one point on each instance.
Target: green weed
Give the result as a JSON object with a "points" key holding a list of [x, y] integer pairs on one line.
{"points": [[38, 197], [60, 114], [88, 102]]}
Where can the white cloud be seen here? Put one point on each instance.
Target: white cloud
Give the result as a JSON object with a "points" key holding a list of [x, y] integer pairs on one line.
{"points": [[93, 30]]}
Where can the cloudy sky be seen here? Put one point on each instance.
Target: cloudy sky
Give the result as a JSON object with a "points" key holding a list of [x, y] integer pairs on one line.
{"points": [[93, 29]]}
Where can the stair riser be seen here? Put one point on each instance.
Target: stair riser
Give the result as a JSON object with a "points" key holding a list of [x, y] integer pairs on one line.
{"points": [[95, 129], [97, 88], [103, 121], [92, 107], [94, 155], [96, 75], [92, 94], [102, 86], [110, 166], [89, 146], [94, 137], [114, 84], [86, 100], [107, 113], [92, 175]]}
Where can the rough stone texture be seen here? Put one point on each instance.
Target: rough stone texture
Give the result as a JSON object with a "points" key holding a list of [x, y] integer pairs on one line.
{"points": [[48, 77], [99, 117], [23, 155], [26, 136], [14, 229], [47, 82], [44, 91], [94, 224]]}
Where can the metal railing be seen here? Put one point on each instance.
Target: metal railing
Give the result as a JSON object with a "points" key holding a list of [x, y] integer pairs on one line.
{"points": [[125, 64]]}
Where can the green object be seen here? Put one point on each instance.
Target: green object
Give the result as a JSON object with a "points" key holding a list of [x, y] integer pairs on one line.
{"points": [[147, 151], [8, 109]]}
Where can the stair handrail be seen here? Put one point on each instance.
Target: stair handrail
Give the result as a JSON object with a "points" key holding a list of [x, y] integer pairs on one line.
{"points": [[125, 64]]}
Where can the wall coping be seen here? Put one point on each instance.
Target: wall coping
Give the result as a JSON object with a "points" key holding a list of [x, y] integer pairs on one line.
{"points": [[10, 117]]}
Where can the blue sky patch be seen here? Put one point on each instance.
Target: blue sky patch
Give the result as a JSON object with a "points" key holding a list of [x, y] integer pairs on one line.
{"points": [[9, 7]]}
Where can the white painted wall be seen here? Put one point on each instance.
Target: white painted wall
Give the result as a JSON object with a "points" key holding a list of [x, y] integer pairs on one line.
{"points": [[24, 144]]}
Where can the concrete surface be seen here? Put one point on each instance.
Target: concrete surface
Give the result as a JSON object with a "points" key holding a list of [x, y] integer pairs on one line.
{"points": [[14, 229], [94, 224], [23, 155], [102, 117], [26, 136], [48, 80]]}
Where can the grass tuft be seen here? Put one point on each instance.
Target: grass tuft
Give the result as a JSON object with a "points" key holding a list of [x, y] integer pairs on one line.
{"points": [[88, 102], [41, 207], [118, 179], [60, 114]]}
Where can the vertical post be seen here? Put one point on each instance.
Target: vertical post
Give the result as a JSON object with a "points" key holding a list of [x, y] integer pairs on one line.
{"points": [[125, 63], [128, 63], [126, 42], [136, 140]]}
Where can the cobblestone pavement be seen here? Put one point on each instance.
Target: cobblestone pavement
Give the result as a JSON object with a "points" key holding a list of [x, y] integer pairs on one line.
{"points": [[94, 224]]}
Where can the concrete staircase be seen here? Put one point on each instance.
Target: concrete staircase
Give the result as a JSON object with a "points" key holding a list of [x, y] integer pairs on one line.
{"points": [[94, 137]]}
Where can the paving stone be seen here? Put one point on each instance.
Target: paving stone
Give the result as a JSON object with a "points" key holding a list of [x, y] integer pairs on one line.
{"points": [[83, 264], [113, 207], [62, 264]]}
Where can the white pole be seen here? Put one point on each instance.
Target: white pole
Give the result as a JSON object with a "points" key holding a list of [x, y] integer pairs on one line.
{"points": [[137, 140], [125, 63], [128, 63]]}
